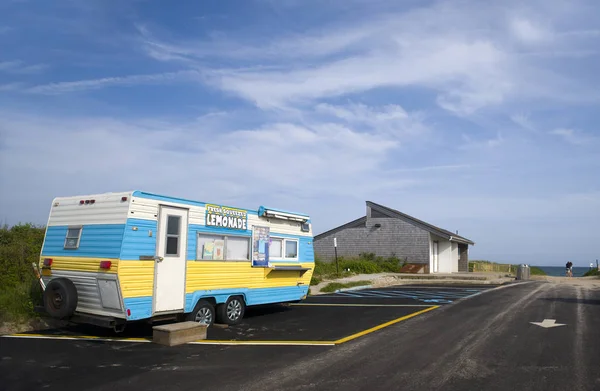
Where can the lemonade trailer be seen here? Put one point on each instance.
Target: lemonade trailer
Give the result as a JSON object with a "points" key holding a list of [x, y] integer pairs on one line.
{"points": [[109, 259]]}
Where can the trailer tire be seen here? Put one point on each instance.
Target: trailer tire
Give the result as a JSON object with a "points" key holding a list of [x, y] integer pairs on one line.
{"points": [[60, 298], [203, 311], [232, 311]]}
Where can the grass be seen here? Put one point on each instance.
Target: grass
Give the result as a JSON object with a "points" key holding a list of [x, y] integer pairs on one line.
{"points": [[593, 272], [333, 286], [536, 271], [17, 302], [365, 263]]}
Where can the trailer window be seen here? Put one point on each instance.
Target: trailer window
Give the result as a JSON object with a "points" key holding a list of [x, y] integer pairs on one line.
{"points": [[72, 239], [237, 248], [275, 248], [291, 249], [173, 229], [222, 248], [283, 248]]}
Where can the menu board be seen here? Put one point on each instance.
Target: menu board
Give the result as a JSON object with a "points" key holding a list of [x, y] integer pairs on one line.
{"points": [[260, 246]]}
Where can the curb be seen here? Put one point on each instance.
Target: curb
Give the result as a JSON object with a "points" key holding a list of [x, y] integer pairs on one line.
{"points": [[354, 288]]}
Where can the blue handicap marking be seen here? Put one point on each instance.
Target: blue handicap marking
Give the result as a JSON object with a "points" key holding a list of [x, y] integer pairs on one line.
{"points": [[426, 296], [439, 301]]}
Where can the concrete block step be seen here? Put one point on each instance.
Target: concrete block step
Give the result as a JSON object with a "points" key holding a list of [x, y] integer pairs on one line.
{"points": [[178, 333]]}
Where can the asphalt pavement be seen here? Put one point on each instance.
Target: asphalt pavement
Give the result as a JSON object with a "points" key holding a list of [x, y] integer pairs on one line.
{"points": [[483, 341]]}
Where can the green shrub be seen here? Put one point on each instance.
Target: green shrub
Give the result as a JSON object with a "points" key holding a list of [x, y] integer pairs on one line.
{"points": [[315, 280], [592, 272], [365, 263], [20, 246], [536, 271]]}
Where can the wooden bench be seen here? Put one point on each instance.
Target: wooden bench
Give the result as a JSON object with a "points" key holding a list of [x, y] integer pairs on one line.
{"points": [[178, 333]]}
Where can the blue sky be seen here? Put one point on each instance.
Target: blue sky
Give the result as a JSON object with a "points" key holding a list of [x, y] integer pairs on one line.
{"points": [[480, 117]]}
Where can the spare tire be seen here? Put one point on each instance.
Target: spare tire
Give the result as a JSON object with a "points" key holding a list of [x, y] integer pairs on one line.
{"points": [[60, 298]]}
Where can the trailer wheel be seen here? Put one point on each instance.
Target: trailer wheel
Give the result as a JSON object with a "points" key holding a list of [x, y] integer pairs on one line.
{"points": [[232, 311], [203, 313], [60, 298]]}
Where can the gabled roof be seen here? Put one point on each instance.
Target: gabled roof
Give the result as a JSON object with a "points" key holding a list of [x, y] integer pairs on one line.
{"points": [[399, 215], [360, 222], [419, 223]]}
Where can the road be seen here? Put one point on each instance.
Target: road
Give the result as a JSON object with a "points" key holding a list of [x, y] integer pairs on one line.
{"points": [[486, 342]]}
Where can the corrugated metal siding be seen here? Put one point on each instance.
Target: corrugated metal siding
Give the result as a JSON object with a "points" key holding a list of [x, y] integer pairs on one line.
{"points": [[107, 209], [81, 264], [253, 296], [208, 275], [275, 295], [138, 242], [102, 240], [89, 300], [140, 307], [306, 251], [136, 278]]}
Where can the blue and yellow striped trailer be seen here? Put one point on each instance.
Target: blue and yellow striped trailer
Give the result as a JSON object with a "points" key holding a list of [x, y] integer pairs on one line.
{"points": [[117, 257]]}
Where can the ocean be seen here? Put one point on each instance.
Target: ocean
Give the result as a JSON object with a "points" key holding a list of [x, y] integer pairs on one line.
{"points": [[559, 271]]}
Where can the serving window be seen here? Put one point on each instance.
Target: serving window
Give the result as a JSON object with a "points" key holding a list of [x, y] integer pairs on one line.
{"points": [[222, 247]]}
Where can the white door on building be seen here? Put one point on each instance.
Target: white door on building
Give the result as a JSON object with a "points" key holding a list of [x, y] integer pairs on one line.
{"points": [[170, 263], [436, 257]]}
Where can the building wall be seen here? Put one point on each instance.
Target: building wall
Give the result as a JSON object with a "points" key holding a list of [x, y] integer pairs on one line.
{"points": [[447, 255], [454, 257], [463, 260], [394, 237]]}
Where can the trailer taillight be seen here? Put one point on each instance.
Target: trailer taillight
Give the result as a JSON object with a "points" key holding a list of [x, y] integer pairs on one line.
{"points": [[105, 264], [81, 202], [123, 198], [47, 261], [128, 312]]}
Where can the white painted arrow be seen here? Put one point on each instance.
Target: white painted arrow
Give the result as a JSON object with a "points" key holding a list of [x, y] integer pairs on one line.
{"points": [[547, 323]]}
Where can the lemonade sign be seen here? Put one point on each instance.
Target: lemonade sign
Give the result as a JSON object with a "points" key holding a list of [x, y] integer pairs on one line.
{"points": [[225, 217]]}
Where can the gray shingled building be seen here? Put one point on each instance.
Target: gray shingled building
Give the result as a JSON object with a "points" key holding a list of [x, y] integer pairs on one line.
{"points": [[386, 232]]}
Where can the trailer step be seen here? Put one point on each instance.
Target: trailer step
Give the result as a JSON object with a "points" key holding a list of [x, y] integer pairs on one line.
{"points": [[178, 333]]}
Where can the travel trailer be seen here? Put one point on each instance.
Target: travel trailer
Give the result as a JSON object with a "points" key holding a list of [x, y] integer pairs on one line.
{"points": [[109, 259]]}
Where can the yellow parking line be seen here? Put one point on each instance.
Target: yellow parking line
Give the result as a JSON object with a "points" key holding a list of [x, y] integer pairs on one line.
{"points": [[232, 342], [372, 329], [361, 305], [265, 343]]}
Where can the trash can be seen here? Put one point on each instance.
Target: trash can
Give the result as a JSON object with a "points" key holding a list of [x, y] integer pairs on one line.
{"points": [[523, 272]]}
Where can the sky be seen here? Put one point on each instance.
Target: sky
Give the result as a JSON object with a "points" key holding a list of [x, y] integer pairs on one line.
{"points": [[477, 116]]}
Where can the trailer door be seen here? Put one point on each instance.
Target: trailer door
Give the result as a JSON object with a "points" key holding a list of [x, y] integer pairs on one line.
{"points": [[169, 270]]}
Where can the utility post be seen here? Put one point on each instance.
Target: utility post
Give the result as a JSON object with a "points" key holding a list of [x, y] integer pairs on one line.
{"points": [[337, 267]]}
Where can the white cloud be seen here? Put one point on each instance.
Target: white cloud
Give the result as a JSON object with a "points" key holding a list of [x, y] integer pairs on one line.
{"points": [[390, 119], [465, 58], [523, 121], [11, 86], [364, 113], [529, 32], [572, 136], [91, 84], [487, 144], [19, 67], [194, 160]]}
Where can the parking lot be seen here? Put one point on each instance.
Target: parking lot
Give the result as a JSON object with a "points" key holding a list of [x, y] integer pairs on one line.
{"points": [[321, 320]]}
